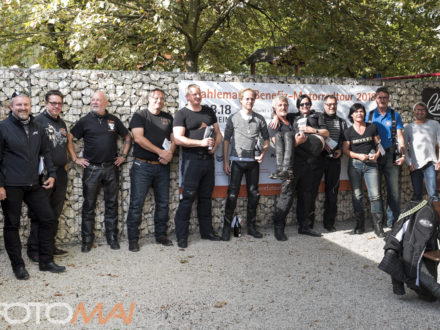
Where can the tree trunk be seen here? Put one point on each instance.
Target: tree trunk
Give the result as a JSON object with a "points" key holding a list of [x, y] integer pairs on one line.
{"points": [[192, 61]]}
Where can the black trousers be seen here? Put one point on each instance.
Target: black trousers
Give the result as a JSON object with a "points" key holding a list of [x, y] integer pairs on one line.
{"points": [[36, 199], [251, 170], [57, 196], [94, 178], [307, 191], [303, 182], [197, 179], [331, 169]]}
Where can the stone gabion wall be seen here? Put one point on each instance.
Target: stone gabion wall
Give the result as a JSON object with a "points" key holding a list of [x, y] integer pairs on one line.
{"points": [[127, 92]]}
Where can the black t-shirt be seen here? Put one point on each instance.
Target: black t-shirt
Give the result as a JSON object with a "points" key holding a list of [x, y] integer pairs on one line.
{"points": [[56, 132], [195, 123], [283, 127], [100, 135], [364, 143], [157, 128]]}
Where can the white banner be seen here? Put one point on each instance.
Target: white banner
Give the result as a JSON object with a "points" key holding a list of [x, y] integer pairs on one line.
{"points": [[223, 98]]}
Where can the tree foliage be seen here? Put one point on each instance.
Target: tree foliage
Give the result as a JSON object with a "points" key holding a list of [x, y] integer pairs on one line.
{"points": [[334, 38]]}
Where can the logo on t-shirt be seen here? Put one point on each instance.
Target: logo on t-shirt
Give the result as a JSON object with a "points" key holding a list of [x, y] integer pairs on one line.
{"points": [[111, 125], [56, 137], [388, 123], [203, 126]]}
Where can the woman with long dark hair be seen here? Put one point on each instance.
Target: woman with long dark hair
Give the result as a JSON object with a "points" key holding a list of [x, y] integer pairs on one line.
{"points": [[360, 144]]}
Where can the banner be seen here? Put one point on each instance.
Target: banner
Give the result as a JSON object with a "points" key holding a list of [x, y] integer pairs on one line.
{"points": [[222, 97]]}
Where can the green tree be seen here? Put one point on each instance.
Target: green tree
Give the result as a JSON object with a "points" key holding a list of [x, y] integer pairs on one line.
{"points": [[333, 38]]}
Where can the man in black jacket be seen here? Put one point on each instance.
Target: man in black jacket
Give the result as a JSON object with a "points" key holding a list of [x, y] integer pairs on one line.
{"points": [[22, 142], [56, 131]]}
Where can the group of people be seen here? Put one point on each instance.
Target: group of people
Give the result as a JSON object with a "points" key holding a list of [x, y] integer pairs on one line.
{"points": [[34, 155]]}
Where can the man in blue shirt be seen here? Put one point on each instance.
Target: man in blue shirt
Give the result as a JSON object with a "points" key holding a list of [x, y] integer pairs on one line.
{"points": [[389, 125]]}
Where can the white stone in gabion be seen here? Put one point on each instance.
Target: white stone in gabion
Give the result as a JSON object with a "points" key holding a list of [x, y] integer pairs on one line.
{"points": [[126, 110], [39, 82], [137, 85], [36, 91], [35, 100], [119, 91], [76, 95], [134, 99], [52, 85], [62, 75], [77, 104], [63, 84], [82, 85], [65, 92], [87, 92]]}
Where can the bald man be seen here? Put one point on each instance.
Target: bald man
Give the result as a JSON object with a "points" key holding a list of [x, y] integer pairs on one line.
{"points": [[100, 160]]}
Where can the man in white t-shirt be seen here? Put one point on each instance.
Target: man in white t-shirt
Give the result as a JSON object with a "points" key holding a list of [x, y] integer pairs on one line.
{"points": [[422, 137]]}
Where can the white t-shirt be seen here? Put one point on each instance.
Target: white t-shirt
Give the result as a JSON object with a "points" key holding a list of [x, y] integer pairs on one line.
{"points": [[420, 140]]}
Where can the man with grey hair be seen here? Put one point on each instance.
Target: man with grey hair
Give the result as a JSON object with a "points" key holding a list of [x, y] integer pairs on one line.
{"points": [[22, 143], [243, 131], [283, 138], [100, 161], [422, 138], [286, 139]]}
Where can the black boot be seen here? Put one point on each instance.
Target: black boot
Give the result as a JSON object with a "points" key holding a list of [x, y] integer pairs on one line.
{"points": [[377, 224], [113, 242], [360, 223], [279, 230], [398, 287], [226, 232], [252, 230]]}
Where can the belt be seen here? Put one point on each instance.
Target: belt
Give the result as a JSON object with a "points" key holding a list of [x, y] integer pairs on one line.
{"points": [[103, 164], [191, 156], [152, 162]]}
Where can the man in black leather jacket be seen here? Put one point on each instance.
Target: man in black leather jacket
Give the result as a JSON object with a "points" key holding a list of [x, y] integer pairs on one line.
{"points": [[22, 142]]}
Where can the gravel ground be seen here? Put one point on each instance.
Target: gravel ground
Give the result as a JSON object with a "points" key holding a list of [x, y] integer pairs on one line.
{"points": [[329, 282]]}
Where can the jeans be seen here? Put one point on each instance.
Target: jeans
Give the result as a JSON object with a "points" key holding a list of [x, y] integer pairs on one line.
{"points": [[94, 177], [357, 171], [57, 196], [391, 173], [251, 170], [428, 172], [197, 179], [36, 199], [143, 176]]}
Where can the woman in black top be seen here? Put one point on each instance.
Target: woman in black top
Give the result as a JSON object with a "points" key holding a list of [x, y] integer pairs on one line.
{"points": [[360, 145]]}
